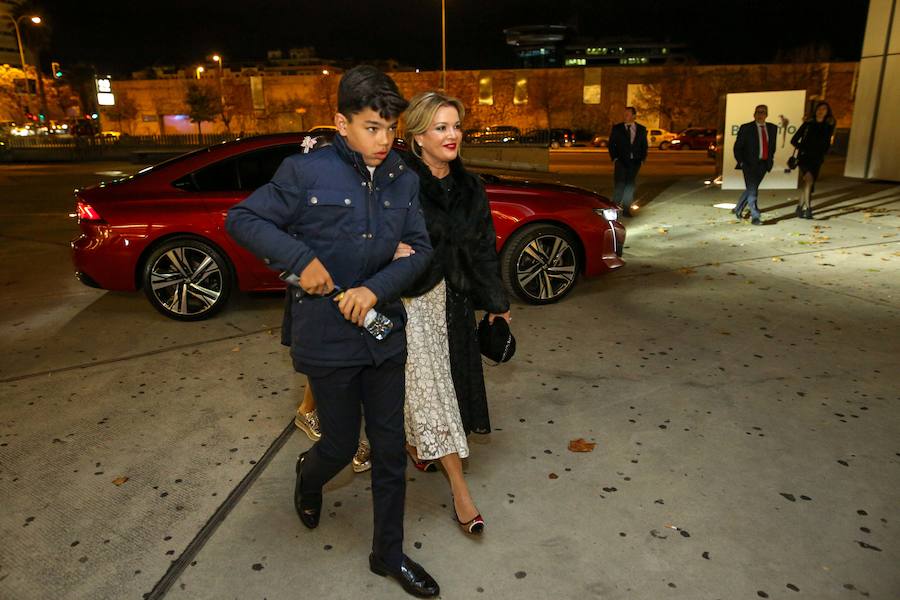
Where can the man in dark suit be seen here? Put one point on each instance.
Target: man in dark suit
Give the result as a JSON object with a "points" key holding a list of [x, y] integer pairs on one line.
{"points": [[754, 151], [628, 150]]}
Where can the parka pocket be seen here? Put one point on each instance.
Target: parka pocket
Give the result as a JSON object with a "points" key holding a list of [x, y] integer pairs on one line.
{"points": [[330, 214]]}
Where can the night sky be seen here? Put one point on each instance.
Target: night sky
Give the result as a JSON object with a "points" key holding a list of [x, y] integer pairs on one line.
{"points": [[120, 37]]}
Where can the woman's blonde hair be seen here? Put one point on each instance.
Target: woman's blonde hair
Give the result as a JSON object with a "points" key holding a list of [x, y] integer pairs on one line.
{"points": [[422, 108]]}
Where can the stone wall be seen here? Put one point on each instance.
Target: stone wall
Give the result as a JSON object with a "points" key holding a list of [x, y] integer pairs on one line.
{"points": [[673, 97]]}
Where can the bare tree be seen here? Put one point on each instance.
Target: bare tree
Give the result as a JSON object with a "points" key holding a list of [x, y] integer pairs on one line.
{"points": [[203, 104], [549, 93], [124, 111]]}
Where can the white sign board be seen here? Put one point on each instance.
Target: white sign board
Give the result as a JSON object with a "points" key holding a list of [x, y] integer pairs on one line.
{"points": [[786, 112], [105, 96]]}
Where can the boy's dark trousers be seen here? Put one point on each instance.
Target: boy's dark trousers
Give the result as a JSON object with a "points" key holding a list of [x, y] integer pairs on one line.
{"points": [[340, 395]]}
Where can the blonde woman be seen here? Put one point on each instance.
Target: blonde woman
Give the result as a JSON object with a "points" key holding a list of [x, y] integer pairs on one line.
{"points": [[445, 393]]}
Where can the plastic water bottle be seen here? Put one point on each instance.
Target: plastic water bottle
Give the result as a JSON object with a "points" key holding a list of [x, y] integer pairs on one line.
{"points": [[377, 324], [374, 322]]}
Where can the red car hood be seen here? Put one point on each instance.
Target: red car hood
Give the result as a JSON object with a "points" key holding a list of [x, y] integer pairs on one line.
{"points": [[560, 193]]}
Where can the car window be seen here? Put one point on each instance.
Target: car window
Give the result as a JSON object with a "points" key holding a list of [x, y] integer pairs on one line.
{"points": [[655, 132], [246, 171], [218, 177], [256, 168]]}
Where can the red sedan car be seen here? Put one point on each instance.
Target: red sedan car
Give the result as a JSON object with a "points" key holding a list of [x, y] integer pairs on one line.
{"points": [[162, 230]]}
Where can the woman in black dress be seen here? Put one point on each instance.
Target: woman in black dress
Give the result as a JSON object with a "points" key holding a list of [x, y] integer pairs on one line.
{"points": [[812, 141], [445, 393]]}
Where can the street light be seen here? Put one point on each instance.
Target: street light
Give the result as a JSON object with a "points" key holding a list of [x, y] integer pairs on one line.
{"points": [[218, 60], [37, 21], [199, 70]]}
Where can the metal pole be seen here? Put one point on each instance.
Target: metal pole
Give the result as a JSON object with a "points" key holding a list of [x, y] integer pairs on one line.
{"points": [[443, 45], [21, 53]]}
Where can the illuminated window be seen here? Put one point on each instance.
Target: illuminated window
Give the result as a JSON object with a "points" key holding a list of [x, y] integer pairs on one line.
{"points": [[485, 91], [575, 62], [591, 90], [520, 95]]}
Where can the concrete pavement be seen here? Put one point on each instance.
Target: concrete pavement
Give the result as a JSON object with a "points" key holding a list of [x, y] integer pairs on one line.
{"points": [[737, 380]]}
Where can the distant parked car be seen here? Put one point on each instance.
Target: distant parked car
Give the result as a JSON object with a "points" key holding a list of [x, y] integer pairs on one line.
{"points": [[660, 138], [323, 130], [495, 134], [694, 138], [162, 230], [714, 148], [600, 141], [555, 138]]}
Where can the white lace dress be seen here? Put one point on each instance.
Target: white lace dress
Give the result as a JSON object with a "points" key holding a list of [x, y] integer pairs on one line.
{"points": [[431, 412]]}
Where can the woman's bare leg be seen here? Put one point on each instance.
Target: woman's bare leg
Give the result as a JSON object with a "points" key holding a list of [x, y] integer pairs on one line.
{"points": [[309, 402], [462, 499]]}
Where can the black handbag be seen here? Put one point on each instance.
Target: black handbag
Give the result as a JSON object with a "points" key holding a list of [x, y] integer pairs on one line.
{"points": [[495, 340]]}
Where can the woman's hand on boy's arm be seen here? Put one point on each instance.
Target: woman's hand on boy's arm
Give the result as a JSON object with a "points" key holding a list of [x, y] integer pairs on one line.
{"points": [[403, 250]]}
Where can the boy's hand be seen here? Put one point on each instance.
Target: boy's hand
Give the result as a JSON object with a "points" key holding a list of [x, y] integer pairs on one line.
{"points": [[403, 250], [355, 303], [315, 279]]}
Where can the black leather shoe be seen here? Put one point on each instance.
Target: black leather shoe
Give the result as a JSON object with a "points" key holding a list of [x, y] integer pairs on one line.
{"points": [[807, 214], [800, 214], [414, 579], [308, 505], [756, 222]]}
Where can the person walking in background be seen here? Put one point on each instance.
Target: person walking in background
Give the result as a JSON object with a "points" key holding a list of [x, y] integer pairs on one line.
{"points": [[445, 392], [754, 150], [812, 142], [628, 150]]}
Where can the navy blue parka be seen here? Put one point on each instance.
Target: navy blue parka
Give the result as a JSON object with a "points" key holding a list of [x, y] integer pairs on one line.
{"points": [[326, 205]]}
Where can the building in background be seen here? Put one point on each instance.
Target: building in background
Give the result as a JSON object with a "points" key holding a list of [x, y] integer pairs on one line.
{"points": [[542, 46], [874, 151], [9, 48]]}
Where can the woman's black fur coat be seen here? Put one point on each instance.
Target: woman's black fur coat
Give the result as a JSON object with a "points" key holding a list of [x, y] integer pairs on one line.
{"points": [[462, 235]]}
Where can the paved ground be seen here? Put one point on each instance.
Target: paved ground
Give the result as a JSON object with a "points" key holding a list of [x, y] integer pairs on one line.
{"points": [[737, 380]]}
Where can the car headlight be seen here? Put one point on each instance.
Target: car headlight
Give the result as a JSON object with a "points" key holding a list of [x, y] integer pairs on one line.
{"points": [[610, 214]]}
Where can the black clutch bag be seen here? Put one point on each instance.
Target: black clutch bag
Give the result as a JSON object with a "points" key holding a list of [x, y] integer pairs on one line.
{"points": [[495, 340]]}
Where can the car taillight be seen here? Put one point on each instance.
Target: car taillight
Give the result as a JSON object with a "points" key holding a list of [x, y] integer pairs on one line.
{"points": [[86, 212]]}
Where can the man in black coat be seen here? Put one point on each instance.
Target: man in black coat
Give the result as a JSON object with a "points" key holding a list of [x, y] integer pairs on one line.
{"points": [[754, 151], [628, 150]]}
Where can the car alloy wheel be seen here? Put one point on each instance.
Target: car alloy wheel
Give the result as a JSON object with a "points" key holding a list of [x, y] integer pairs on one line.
{"points": [[540, 263], [187, 280], [664, 145]]}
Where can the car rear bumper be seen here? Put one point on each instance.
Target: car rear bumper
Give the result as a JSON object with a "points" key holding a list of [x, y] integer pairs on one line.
{"points": [[105, 260]]}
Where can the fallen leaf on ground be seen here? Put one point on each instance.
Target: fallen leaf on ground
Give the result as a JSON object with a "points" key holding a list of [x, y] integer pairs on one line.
{"points": [[777, 259], [120, 480], [686, 270], [553, 476], [236, 349], [663, 230], [581, 445]]}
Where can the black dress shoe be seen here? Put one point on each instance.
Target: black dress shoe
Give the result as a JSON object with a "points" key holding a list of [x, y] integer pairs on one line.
{"points": [[800, 214], [308, 505], [756, 222], [414, 579], [807, 214]]}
